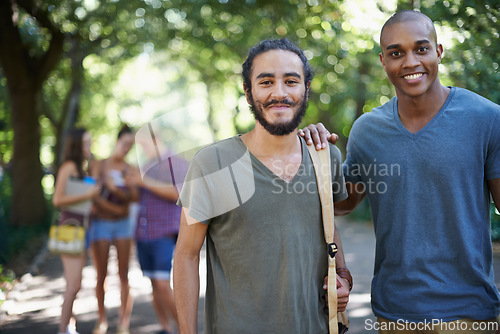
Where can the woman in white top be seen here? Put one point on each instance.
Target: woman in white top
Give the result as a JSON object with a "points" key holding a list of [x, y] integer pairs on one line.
{"points": [[76, 156]]}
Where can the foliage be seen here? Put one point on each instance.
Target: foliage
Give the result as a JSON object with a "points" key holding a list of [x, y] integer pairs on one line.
{"points": [[5, 196], [474, 60], [495, 223], [6, 279], [206, 41], [6, 135]]}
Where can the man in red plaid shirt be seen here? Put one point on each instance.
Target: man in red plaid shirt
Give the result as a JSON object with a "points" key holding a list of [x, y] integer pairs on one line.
{"points": [[157, 228]]}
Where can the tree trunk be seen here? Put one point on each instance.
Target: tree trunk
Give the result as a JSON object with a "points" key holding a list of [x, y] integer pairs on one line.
{"points": [[28, 205], [25, 74], [71, 108]]}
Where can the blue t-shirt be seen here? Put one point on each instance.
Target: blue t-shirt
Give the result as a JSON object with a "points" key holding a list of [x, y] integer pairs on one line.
{"points": [[430, 204]]}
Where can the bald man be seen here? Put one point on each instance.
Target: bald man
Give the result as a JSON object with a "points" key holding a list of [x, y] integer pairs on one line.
{"points": [[428, 161]]}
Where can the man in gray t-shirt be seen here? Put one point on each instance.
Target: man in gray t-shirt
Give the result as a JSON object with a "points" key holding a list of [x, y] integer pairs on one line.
{"points": [[257, 200]]}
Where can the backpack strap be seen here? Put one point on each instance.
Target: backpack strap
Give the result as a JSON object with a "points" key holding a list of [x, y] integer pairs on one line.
{"points": [[322, 168]]}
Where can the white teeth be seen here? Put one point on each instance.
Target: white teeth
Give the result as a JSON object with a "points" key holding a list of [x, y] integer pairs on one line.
{"points": [[413, 76]]}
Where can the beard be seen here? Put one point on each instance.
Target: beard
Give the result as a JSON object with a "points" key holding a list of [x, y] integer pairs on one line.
{"points": [[279, 129]]}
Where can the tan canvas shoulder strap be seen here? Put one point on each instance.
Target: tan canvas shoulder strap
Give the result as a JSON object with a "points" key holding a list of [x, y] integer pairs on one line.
{"points": [[322, 169]]}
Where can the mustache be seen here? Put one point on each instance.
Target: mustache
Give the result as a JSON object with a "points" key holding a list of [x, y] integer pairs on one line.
{"points": [[284, 101]]}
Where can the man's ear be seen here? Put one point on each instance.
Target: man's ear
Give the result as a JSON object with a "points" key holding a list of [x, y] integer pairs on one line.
{"points": [[382, 60], [381, 57], [247, 94], [440, 51], [308, 89]]}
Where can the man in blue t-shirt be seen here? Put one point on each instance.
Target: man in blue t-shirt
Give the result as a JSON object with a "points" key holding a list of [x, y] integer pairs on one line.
{"points": [[427, 161]]}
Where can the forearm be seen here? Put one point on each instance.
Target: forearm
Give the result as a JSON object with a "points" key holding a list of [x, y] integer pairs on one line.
{"points": [[186, 273], [186, 291], [356, 194], [111, 209], [340, 264], [494, 186], [134, 194], [342, 280], [339, 257], [60, 201], [161, 189], [122, 195]]}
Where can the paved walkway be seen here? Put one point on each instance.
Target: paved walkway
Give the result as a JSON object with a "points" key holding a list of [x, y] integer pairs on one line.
{"points": [[35, 304]]}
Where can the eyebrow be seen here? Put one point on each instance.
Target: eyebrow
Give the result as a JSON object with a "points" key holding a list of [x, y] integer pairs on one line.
{"points": [[396, 46], [271, 75]]}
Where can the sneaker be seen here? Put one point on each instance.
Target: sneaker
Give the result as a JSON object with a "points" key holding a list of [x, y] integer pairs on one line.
{"points": [[71, 329]]}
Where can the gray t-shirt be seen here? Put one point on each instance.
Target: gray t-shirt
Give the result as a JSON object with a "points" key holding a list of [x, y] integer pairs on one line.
{"points": [[266, 252]]}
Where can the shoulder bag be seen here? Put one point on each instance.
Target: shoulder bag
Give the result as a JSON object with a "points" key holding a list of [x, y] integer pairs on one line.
{"points": [[68, 237]]}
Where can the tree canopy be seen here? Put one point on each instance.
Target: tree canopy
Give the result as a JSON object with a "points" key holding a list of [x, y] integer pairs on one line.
{"points": [[62, 62]]}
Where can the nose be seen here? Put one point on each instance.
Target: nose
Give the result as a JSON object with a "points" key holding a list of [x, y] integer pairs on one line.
{"points": [[279, 91], [411, 60]]}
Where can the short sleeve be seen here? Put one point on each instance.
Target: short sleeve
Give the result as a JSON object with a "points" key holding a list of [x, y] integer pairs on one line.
{"points": [[220, 178], [195, 194]]}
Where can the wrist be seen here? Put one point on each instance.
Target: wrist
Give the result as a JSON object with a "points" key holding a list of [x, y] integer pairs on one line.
{"points": [[345, 274]]}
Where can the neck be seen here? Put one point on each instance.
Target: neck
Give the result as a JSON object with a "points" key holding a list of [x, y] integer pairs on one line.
{"points": [[425, 105], [262, 143], [416, 112], [280, 154]]}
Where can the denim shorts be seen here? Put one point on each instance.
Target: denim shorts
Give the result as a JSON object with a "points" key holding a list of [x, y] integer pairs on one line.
{"points": [[155, 257], [110, 230]]}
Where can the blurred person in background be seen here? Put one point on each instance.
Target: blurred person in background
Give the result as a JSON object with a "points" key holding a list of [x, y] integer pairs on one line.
{"points": [[75, 162], [158, 224], [111, 225]]}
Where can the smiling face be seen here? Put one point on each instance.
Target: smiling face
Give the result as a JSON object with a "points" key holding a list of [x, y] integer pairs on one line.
{"points": [[278, 93], [411, 56]]}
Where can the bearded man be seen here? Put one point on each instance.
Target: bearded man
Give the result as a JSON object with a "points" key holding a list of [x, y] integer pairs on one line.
{"points": [[251, 197]]}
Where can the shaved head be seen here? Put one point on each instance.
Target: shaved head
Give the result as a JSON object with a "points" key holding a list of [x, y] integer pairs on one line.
{"points": [[409, 15]]}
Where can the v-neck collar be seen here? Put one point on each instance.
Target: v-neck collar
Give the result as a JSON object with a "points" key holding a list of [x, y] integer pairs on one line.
{"points": [[270, 172], [417, 134]]}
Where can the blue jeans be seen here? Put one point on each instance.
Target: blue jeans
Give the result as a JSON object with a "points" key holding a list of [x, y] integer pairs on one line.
{"points": [[155, 257], [105, 229]]}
